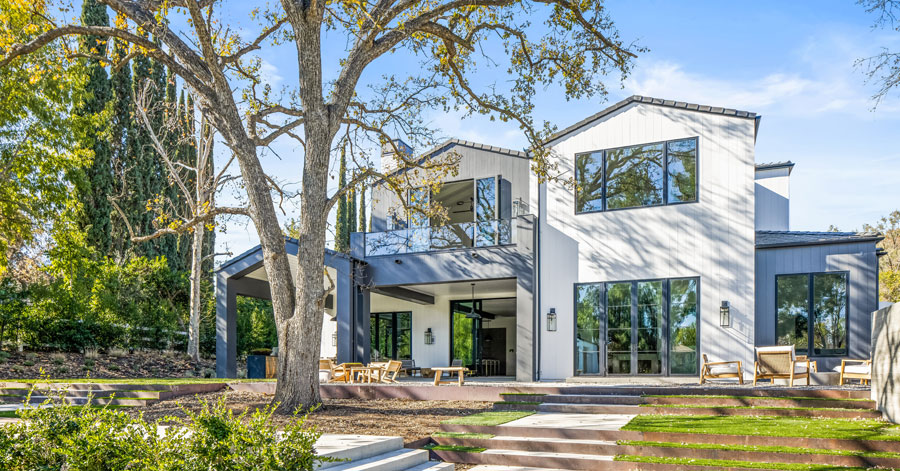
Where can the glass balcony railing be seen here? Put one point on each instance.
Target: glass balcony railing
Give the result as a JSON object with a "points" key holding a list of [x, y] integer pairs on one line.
{"points": [[451, 236]]}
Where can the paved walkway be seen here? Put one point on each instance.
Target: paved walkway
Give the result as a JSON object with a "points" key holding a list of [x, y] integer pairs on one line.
{"points": [[572, 421]]}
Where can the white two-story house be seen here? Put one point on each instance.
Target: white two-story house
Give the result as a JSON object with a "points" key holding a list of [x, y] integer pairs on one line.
{"points": [[673, 241]]}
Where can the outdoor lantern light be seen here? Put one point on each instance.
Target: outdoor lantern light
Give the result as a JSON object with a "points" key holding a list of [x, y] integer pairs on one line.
{"points": [[334, 339], [551, 320], [429, 336], [725, 314]]}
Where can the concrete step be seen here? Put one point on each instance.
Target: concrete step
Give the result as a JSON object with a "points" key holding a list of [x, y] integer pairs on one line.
{"points": [[94, 386], [354, 448], [573, 461], [397, 460], [608, 399], [492, 467], [433, 466], [554, 445], [589, 408]]}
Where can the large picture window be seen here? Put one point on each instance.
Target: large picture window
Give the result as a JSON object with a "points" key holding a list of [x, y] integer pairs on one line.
{"points": [[636, 176], [649, 327], [812, 306]]}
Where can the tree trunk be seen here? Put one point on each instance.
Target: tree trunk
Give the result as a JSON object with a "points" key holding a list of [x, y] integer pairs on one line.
{"points": [[193, 349]]}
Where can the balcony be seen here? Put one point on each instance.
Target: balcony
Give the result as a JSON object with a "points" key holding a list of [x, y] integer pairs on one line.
{"points": [[451, 236]]}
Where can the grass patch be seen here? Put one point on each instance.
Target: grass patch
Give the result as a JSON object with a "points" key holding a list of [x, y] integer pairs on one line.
{"points": [[784, 398], [706, 406], [847, 429], [489, 418], [166, 381], [456, 448], [734, 464], [462, 435], [519, 403], [764, 449]]}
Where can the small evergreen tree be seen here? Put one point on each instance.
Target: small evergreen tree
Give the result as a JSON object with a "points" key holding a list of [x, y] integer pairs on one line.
{"points": [[121, 135], [362, 209], [342, 222], [351, 213]]}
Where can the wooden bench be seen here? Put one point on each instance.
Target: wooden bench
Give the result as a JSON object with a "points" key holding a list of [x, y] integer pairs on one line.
{"points": [[459, 370]]}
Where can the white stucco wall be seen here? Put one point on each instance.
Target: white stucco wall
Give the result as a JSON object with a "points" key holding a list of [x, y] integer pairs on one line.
{"points": [[773, 197], [329, 327], [712, 239]]}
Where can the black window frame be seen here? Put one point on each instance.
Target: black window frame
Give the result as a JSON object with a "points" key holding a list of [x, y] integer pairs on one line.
{"points": [[667, 306], [394, 332], [665, 176], [810, 306]]}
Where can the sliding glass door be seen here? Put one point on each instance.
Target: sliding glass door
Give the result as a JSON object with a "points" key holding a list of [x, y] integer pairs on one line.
{"points": [[390, 336], [637, 327]]}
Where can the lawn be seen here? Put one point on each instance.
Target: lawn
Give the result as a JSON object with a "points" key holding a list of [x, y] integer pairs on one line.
{"points": [[735, 464], [489, 418], [859, 429], [765, 449], [785, 398]]}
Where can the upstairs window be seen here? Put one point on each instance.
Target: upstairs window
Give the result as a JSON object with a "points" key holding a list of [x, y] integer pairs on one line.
{"points": [[636, 176]]}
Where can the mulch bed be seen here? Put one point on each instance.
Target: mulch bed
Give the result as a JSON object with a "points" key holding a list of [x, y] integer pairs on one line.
{"points": [[107, 365], [409, 419]]}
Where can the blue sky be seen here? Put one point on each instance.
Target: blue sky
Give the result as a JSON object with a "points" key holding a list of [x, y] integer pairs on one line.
{"points": [[791, 62]]}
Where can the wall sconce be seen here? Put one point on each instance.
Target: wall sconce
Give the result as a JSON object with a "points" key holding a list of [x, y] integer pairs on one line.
{"points": [[334, 339], [725, 314], [429, 336], [551, 320]]}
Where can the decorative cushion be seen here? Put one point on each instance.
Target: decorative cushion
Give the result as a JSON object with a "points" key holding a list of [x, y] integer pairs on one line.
{"points": [[324, 376], [723, 369], [859, 369], [777, 349]]}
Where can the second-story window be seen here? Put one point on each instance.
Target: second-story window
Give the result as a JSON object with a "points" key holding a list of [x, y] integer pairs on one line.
{"points": [[636, 176]]}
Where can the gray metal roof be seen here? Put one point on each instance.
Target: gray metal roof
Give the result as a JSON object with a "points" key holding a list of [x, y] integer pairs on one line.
{"points": [[773, 165], [771, 239], [651, 101], [475, 145]]}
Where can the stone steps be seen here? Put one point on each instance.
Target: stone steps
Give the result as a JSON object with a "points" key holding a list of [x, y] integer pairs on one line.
{"points": [[373, 453]]}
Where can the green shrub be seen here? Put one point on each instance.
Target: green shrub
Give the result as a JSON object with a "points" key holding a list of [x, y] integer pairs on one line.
{"points": [[4, 356], [58, 359], [28, 363], [89, 438], [113, 367], [89, 362], [31, 356]]}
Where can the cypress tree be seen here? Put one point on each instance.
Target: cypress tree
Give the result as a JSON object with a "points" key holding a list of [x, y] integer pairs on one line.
{"points": [[177, 248], [362, 209], [351, 213], [93, 184], [341, 239], [121, 122]]}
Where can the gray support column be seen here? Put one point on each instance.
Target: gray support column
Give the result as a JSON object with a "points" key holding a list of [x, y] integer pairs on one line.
{"points": [[525, 330], [343, 309], [226, 327], [363, 325]]}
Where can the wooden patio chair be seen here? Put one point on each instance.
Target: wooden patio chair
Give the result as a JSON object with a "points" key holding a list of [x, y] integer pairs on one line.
{"points": [[341, 373], [779, 362], [389, 375], [720, 369], [856, 369]]}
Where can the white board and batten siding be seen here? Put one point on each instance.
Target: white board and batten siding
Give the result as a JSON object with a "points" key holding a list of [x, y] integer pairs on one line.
{"points": [[712, 239]]}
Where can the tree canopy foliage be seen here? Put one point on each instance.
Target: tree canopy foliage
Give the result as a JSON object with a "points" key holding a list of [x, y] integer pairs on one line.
{"points": [[479, 57]]}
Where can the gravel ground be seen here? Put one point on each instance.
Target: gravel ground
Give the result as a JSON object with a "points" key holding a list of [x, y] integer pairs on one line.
{"points": [[409, 419]]}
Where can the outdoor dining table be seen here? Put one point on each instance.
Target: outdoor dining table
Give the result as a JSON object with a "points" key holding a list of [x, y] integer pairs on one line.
{"points": [[366, 372]]}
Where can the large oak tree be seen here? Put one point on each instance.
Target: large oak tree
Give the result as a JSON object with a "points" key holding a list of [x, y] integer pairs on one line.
{"points": [[477, 56]]}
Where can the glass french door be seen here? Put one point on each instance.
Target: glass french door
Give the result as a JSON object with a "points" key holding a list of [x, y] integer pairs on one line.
{"points": [[636, 327]]}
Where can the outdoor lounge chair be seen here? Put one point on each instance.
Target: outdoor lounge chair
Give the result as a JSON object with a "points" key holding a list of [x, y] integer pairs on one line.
{"points": [[779, 362], [720, 369], [855, 369], [391, 371]]}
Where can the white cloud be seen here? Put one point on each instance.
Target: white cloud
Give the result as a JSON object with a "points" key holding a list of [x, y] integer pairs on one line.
{"points": [[821, 79], [269, 74]]}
